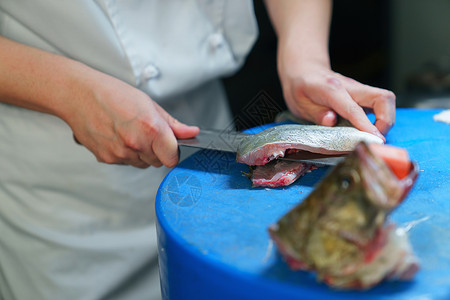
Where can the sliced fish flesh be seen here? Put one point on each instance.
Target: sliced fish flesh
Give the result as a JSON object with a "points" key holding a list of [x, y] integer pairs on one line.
{"points": [[272, 143], [279, 173], [260, 149]]}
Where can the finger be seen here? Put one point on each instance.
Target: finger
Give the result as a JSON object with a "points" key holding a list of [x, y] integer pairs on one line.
{"points": [[183, 131], [326, 117], [160, 151], [140, 164], [337, 97], [380, 101], [318, 114], [131, 151], [122, 156], [76, 140], [177, 129], [133, 158], [160, 146], [165, 146], [155, 162], [306, 109], [180, 130]]}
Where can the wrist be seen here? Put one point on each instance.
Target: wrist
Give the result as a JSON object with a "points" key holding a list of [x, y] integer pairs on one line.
{"points": [[293, 59], [72, 91]]}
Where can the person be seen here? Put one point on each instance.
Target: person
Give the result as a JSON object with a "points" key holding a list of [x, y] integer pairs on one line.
{"points": [[124, 78]]}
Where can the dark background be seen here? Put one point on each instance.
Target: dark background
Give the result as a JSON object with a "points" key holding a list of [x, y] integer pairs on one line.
{"points": [[359, 48]]}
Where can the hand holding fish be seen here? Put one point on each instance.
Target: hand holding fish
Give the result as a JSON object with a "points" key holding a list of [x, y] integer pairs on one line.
{"points": [[311, 89], [315, 93]]}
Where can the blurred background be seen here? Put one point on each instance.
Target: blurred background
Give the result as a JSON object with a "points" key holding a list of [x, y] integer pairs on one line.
{"points": [[401, 45]]}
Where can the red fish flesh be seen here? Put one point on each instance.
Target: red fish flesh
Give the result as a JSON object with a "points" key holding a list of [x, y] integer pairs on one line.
{"points": [[279, 173]]}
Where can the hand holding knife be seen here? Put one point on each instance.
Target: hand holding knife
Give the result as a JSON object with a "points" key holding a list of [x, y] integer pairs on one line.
{"points": [[229, 141]]}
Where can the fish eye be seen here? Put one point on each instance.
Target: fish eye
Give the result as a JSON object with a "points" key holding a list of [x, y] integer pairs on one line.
{"points": [[345, 183], [350, 178]]}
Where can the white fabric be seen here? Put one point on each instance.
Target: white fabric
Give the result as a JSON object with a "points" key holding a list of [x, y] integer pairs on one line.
{"points": [[71, 228]]}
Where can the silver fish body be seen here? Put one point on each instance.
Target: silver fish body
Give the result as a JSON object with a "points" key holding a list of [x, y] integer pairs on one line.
{"points": [[272, 143]]}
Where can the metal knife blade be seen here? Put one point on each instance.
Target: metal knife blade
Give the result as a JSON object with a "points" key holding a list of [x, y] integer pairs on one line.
{"points": [[214, 139], [315, 158], [225, 140]]}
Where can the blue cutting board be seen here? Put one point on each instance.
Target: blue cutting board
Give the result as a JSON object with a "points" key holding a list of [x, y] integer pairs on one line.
{"points": [[212, 226]]}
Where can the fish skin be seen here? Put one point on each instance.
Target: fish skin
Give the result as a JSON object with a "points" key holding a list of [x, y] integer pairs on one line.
{"points": [[341, 229], [272, 143]]}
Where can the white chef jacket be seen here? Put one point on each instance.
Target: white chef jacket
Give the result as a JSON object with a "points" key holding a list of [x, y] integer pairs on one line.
{"points": [[72, 228]]}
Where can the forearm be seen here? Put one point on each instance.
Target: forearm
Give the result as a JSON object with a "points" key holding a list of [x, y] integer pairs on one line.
{"points": [[117, 122], [38, 80], [312, 91], [302, 27]]}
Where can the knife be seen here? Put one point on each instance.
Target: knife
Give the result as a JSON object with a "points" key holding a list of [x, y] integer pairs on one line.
{"points": [[226, 140]]}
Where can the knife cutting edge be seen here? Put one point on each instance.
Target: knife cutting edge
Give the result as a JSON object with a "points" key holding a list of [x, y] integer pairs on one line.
{"points": [[225, 140]]}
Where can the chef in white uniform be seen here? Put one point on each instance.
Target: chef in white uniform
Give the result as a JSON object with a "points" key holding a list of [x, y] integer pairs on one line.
{"points": [[116, 75]]}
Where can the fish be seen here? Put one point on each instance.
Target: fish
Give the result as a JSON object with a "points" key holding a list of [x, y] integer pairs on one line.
{"points": [[267, 145], [279, 173], [342, 232], [273, 143]]}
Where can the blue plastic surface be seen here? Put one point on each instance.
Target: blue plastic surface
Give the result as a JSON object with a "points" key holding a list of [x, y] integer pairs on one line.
{"points": [[212, 226]]}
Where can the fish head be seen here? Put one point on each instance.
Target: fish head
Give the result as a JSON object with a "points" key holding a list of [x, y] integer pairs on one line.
{"points": [[362, 190], [341, 225]]}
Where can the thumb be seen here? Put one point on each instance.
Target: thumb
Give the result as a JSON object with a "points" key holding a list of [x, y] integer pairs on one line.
{"points": [[326, 117], [180, 130], [318, 114]]}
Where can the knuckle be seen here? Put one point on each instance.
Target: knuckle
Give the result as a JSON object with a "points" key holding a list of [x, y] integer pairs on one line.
{"points": [[385, 96], [157, 164], [387, 122], [121, 154], [114, 155], [141, 165], [107, 159], [173, 121], [333, 83], [130, 140], [150, 127], [131, 143], [148, 158]]}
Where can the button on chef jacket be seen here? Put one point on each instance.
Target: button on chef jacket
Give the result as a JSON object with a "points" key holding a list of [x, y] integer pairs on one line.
{"points": [[73, 228]]}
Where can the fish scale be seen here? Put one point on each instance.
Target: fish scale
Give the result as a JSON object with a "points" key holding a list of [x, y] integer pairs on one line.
{"points": [[257, 149]]}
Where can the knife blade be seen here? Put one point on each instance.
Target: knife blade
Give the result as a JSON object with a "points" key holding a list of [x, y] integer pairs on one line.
{"points": [[214, 139], [228, 141]]}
